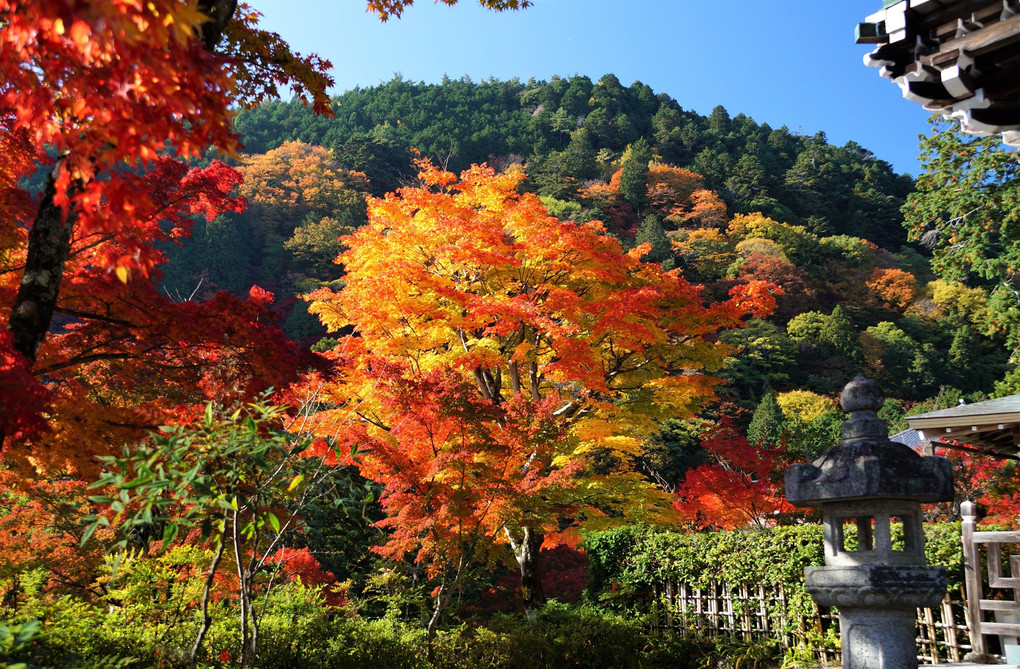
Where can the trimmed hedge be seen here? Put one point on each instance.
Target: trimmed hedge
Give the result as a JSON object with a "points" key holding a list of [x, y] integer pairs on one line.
{"points": [[628, 562]]}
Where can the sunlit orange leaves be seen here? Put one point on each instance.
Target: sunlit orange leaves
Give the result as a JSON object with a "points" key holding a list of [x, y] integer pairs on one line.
{"points": [[892, 288], [507, 366]]}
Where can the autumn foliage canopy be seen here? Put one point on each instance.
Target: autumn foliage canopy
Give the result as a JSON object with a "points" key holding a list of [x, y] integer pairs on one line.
{"points": [[101, 104], [506, 367]]}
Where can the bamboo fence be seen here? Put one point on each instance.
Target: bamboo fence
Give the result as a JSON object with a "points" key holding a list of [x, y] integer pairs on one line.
{"points": [[762, 612]]}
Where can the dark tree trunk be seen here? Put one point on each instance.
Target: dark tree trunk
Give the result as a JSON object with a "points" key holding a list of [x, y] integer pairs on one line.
{"points": [[219, 12], [49, 242], [527, 553]]}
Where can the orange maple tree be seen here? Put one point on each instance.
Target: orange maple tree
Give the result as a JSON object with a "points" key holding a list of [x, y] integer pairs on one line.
{"points": [[670, 190], [296, 179], [506, 367], [892, 289]]}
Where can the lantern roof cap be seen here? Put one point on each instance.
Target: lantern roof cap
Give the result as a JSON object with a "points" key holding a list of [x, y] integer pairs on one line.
{"points": [[866, 464]]}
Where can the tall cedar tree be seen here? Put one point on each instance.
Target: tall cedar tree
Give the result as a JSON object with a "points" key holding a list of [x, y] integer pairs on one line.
{"points": [[508, 367], [966, 209]]}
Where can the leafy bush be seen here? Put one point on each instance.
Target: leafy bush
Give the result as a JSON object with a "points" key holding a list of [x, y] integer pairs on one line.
{"points": [[628, 562], [145, 621], [562, 635], [300, 631], [14, 641]]}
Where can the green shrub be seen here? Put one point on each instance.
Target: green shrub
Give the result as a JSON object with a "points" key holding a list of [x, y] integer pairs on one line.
{"points": [[630, 566], [299, 631], [563, 635], [14, 642]]}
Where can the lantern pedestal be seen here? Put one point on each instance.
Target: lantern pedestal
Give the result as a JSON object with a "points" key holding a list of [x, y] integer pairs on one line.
{"points": [[877, 609]]}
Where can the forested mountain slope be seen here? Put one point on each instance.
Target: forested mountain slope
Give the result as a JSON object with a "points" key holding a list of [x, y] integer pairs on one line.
{"points": [[722, 198], [569, 131]]}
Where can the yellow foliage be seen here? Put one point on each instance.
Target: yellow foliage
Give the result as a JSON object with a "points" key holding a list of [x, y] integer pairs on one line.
{"points": [[790, 238], [763, 246], [804, 404], [954, 299], [708, 250]]}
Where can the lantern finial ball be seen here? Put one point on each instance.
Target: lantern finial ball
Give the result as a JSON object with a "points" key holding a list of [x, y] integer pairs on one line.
{"points": [[861, 394]]}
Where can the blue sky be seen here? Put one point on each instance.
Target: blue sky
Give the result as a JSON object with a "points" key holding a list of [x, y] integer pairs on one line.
{"points": [[781, 62]]}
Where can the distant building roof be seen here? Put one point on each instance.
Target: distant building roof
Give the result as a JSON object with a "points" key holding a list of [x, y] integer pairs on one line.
{"points": [[908, 437], [992, 425]]}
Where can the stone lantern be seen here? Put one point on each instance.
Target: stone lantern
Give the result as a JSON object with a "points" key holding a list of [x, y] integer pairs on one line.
{"points": [[872, 482]]}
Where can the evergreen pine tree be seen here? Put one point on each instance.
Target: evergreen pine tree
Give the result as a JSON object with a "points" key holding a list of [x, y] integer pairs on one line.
{"points": [[766, 428], [652, 232], [840, 334], [634, 179]]}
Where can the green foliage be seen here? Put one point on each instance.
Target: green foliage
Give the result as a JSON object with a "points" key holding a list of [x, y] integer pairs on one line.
{"points": [[218, 255], [828, 349], [325, 344], [651, 232], [675, 449], [315, 244], [806, 440], [300, 631], [302, 326], [169, 584], [966, 209], [766, 428], [901, 365], [339, 519], [851, 251], [565, 210], [564, 636], [78, 634], [634, 178], [15, 639], [626, 563], [227, 476], [458, 122], [766, 359], [198, 476]]}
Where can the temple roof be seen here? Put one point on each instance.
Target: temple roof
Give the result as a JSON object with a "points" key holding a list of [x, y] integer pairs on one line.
{"points": [[992, 425], [960, 58]]}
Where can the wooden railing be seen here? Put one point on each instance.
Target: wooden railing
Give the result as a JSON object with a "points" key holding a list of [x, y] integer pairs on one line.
{"points": [[1007, 597]]}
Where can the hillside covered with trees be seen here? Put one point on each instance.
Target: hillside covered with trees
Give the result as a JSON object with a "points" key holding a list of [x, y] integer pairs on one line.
{"points": [[405, 353], [721, 198], [725, 201]]}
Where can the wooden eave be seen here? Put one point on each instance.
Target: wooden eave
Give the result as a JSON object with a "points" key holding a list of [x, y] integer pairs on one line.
{"points": [[992, 427], [960, 58]]}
